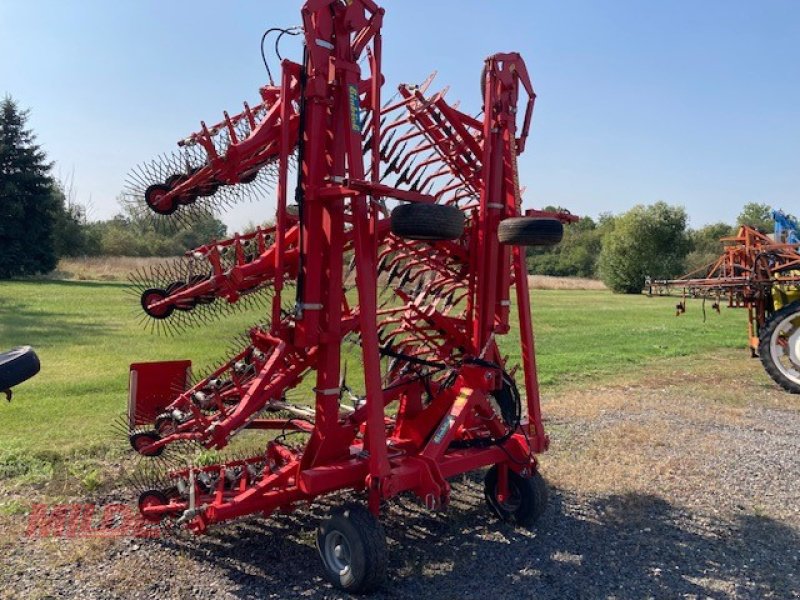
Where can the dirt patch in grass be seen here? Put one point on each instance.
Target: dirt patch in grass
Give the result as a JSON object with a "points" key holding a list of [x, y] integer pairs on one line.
{"points": [[118, 268], [102, 268], [546, 282]]}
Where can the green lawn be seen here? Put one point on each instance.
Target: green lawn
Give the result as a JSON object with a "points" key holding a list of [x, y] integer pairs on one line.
{"points": [[87, 333]]}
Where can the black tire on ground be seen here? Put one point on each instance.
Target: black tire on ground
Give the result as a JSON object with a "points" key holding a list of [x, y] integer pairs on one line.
{"points": [[527, 499], [427, 222], [765, 347], [16, 366], [530, 231], [352, 546]]}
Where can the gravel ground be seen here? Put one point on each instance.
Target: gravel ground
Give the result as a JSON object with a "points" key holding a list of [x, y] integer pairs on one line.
{"points": [[657, 490]]}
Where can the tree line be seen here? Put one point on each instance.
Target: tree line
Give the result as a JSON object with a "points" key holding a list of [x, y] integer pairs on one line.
{"points": [[652, 240], [40, 222]]}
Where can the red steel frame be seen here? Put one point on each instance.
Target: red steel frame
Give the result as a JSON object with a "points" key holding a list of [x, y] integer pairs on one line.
{"points": [[349, 143]]}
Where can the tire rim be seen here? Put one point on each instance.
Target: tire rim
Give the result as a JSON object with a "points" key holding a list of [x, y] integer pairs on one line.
{"points": [[784, 347], [337, 552], [514, 500]]}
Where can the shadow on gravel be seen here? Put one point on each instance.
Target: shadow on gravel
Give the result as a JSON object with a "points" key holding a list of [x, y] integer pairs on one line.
{"points": [[623, 546]]}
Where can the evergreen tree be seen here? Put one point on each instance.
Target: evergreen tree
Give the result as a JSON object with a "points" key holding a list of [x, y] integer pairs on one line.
{"points": [[28, 204]]}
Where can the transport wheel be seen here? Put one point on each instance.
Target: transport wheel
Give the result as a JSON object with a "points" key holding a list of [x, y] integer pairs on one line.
{"points": [[530, 231], [352, 545], [151, 296], [427, 222], [16, 366], [526, 500], [779, 347]]}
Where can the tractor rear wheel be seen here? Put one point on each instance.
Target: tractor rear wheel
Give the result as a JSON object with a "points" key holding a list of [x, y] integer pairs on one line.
{"points": [[779, 347], [530, 231], [352, 545], [526, 501], [427, 222]]}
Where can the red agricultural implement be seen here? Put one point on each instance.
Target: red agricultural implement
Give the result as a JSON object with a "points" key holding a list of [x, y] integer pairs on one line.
{"points": [[416, 206], [761, 275]]}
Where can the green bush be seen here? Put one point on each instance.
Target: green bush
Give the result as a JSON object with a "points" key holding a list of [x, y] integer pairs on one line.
{"points": [[645, 241]]}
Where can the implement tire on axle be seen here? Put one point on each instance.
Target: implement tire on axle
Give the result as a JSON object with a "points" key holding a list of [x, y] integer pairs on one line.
{"points": [[530, 231], [527, 499], [427, 222], [352, 545], [779, 347]]}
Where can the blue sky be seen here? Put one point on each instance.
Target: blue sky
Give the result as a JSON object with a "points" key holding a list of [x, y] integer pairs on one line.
{"points": [[696, 103]]}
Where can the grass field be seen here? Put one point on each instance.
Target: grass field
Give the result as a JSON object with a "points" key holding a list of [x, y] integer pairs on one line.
{"points": [[87, 333]]}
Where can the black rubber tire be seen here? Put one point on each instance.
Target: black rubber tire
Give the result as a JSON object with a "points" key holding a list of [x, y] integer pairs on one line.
{"points": [[530, 501], [366, 542], [165, 424], [176, 286], [248, 177], [142, 440], [156, 497], [207, 189], [530, 231], [149, 294], [427, 222], [17, 365], [764, 347], [155, 189], [174, 181]]}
